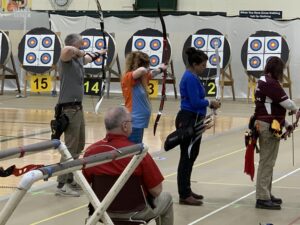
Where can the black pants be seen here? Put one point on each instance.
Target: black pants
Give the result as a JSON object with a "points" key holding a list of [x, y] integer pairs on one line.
{"points": [[186, 119]]}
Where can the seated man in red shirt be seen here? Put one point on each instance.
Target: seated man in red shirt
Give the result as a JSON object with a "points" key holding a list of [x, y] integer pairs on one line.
{"points": [[118, 128]]}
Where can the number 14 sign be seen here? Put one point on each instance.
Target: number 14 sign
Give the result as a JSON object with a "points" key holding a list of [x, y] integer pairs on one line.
{"points": [[92, 86]]}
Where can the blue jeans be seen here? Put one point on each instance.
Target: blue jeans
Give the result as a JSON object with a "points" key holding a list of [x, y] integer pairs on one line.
{"points": [[137, 135]]}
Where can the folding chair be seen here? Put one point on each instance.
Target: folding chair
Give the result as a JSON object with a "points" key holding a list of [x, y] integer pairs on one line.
{"points": [[129, 201]]}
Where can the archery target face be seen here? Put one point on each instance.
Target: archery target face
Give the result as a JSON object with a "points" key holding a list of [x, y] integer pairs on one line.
{"points": [[200, 41], [47, 42], [215, 39], [212, 60], [255, 62], [45, 58], [87, 43], [273, 45], [139, 44], [155, 44], [39, 50], [205, 42], [152, 46], [30, 58], [32, 42], [99, 43], [98, 63], [256, 45], [265, 47], [93, 44], [154, 61], [268, 56]]}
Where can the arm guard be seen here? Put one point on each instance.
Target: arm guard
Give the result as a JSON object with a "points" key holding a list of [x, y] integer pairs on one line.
{"points": [[94, 55]]}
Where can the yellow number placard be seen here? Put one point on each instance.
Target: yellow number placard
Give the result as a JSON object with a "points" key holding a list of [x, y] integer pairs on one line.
{"points": [[40, 83], [153, 88]]}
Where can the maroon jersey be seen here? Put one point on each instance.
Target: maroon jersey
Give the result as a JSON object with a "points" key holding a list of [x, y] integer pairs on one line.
{"points": [[269, 93]]}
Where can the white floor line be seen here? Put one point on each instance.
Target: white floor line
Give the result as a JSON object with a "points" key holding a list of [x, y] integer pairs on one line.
{"points": [[245, 196]]}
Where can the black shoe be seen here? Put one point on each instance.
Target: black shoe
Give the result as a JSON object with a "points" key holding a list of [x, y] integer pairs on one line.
{"points": [[276, 200], [196, 196], [267, 204]]}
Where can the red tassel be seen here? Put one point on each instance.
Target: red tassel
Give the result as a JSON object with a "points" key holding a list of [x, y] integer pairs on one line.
{"points": [[249, 159]]}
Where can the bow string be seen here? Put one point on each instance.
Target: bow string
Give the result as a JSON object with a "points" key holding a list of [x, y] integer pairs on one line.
{"points": [[217, 80]]}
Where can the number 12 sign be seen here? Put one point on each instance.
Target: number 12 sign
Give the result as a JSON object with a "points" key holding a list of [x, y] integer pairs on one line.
{"points": [[210, 87]]}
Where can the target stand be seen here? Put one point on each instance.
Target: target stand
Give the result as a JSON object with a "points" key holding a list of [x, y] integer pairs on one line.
{"points": [[255, 53], [5, 57], [227, 80], [206, 40], [150, 41], [111, 72]]}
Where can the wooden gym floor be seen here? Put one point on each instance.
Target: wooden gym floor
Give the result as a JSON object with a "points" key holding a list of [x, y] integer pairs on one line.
{"points": [[218, 171]]}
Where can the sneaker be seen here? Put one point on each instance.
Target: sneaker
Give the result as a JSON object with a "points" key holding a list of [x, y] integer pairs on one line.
{"points": [[75, 187], [66, 191]]}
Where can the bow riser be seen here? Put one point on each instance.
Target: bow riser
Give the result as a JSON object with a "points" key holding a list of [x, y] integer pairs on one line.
{"points": [[103, 86]]}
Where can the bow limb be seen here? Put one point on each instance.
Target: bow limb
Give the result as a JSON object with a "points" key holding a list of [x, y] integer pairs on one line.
{"points": [[217, 79], [164, 60], [103, 83], [13, 170], [7, 172]]}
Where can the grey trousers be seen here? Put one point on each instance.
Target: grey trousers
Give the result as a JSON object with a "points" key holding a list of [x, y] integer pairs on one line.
{"points": [[269, 146], [74, 138]]}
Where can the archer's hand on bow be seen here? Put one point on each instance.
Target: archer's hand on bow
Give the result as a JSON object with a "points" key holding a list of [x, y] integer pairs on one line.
{"points": [[289, 130], [295, 124], [162, 67], [102, 51]]}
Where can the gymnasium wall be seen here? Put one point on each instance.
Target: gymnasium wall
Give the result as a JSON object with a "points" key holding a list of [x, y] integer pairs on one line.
{"points": [[179, 28], [290, 8]]}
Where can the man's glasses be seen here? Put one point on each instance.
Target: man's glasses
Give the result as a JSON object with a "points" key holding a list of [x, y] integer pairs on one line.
{"points": [[127, 121]]}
